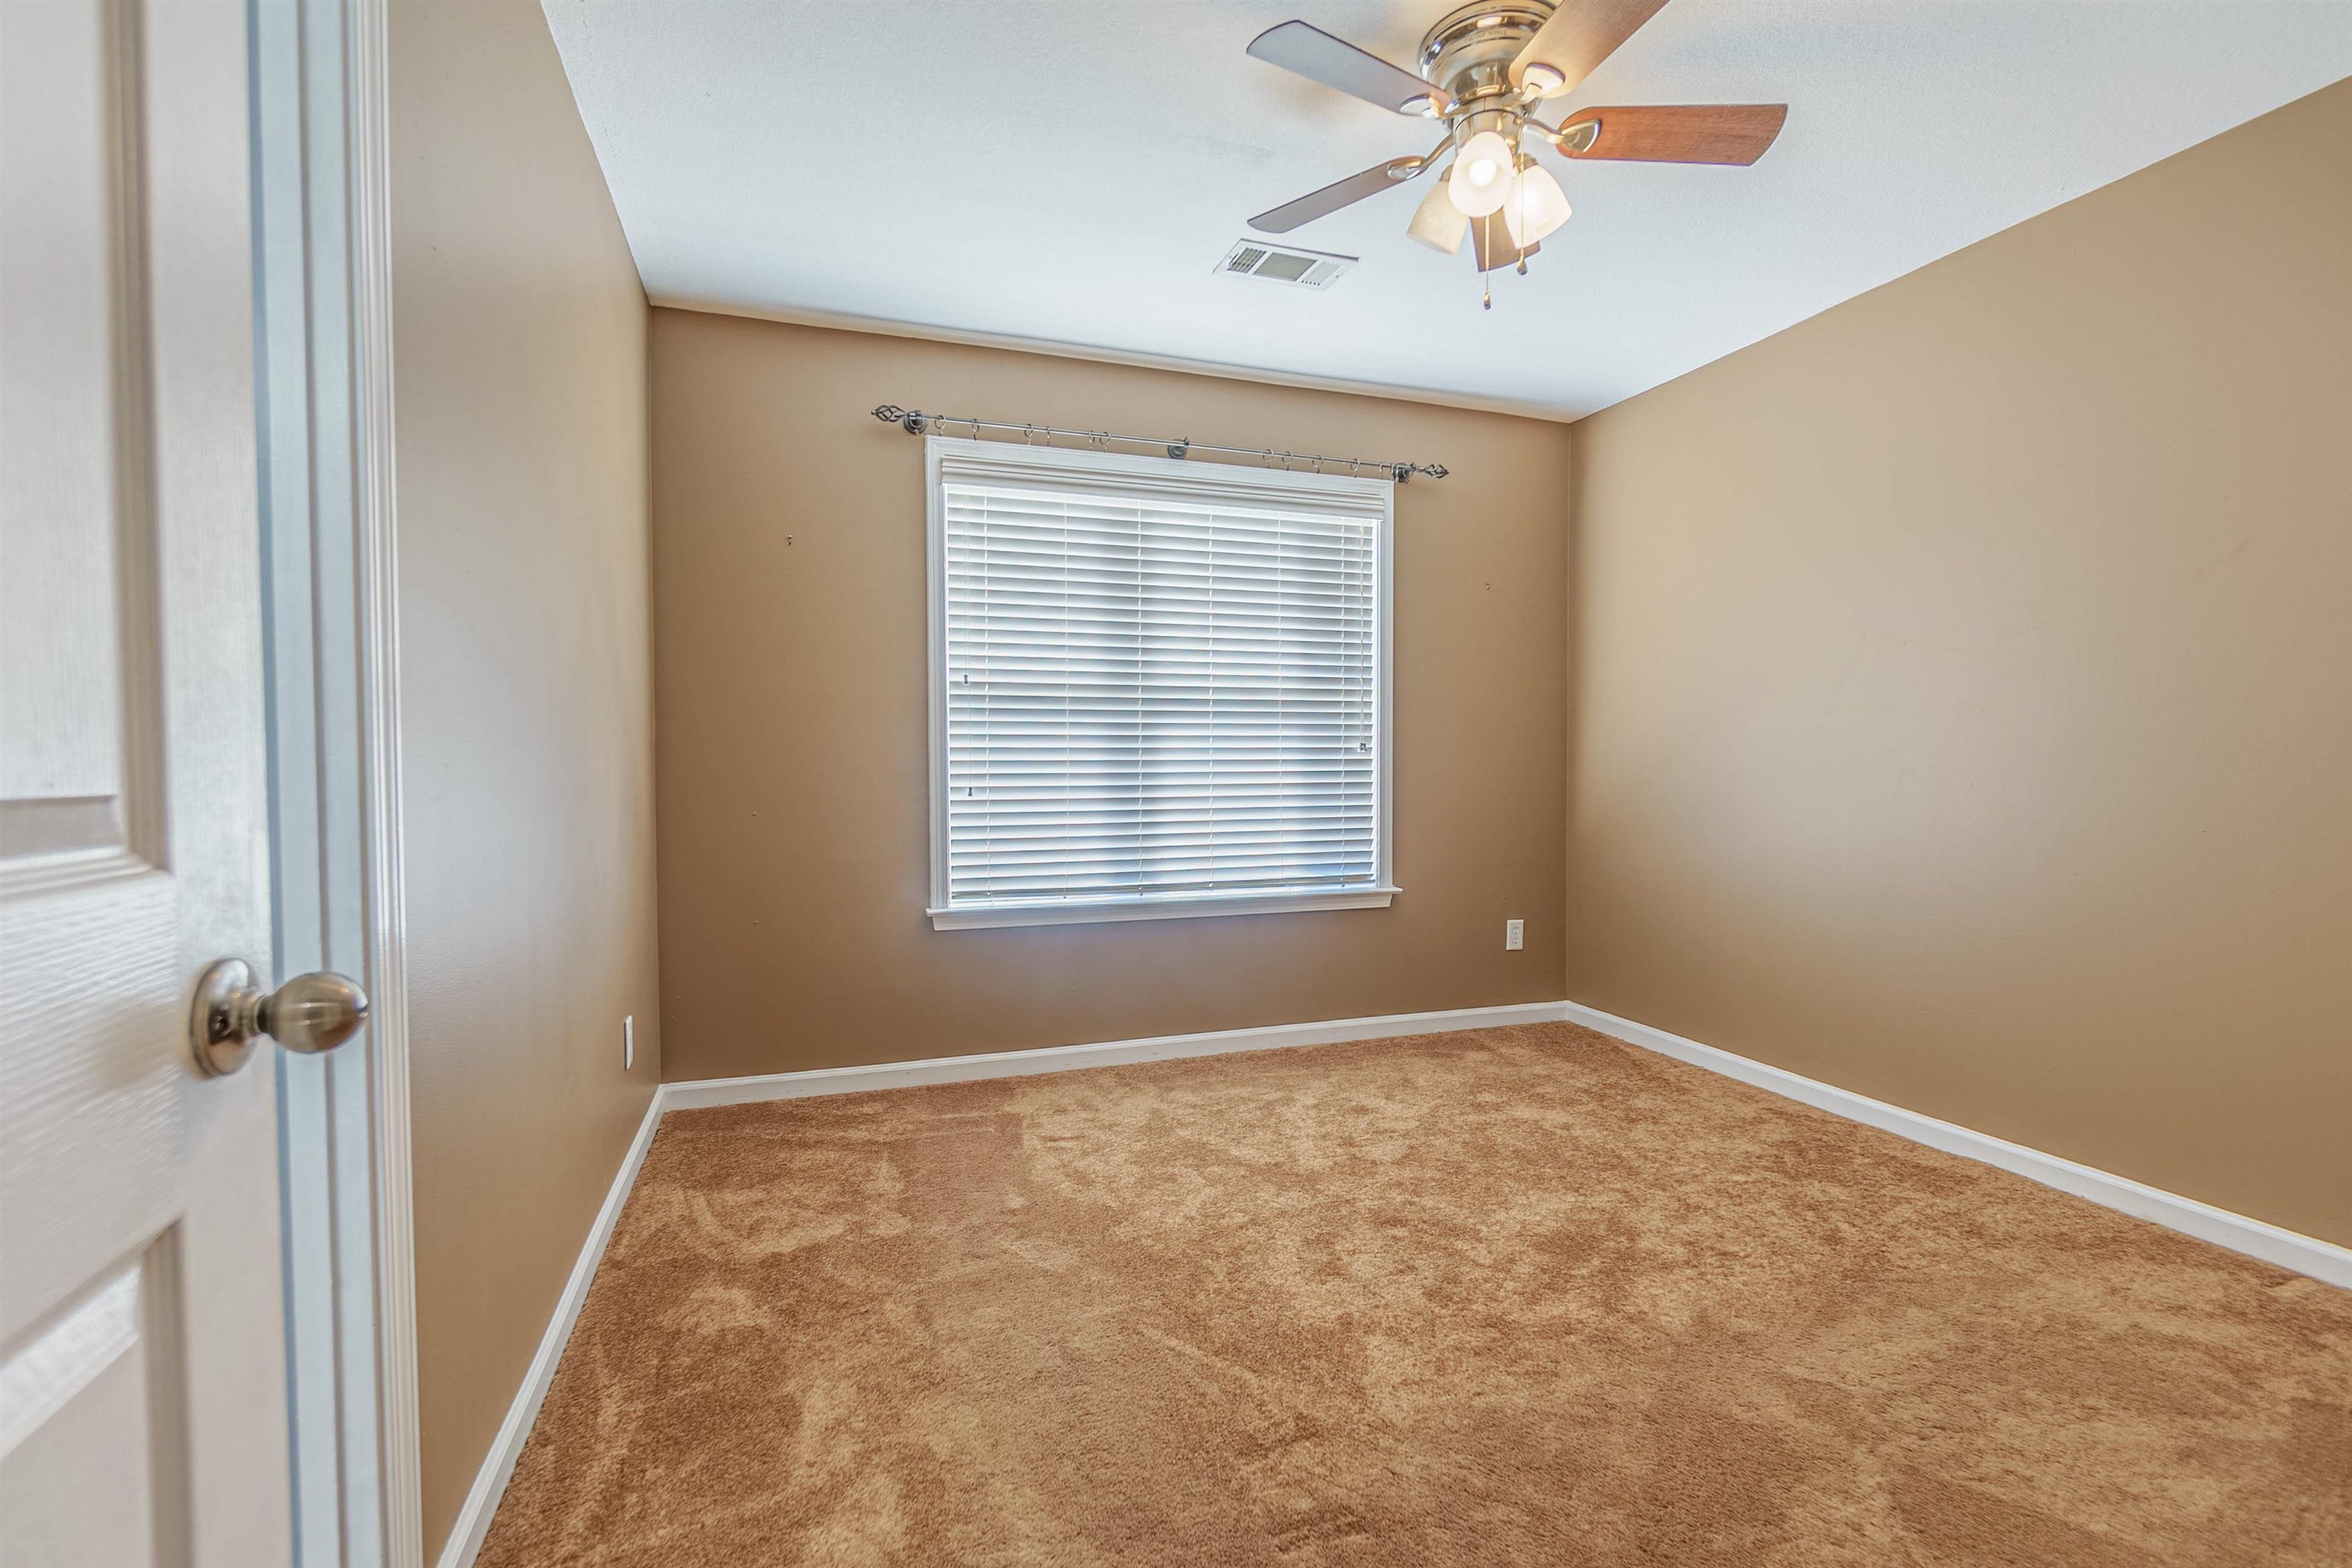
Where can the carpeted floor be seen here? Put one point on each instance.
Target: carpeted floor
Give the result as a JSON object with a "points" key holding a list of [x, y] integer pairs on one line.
{"points": [[1521, 1296]]}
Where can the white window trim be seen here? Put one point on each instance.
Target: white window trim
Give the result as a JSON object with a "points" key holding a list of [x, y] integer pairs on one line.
{"points": [[1262, 486]]}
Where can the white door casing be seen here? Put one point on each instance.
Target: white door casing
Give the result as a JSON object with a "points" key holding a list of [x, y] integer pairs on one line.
{"points": [[143, 1400], [323, 287]]}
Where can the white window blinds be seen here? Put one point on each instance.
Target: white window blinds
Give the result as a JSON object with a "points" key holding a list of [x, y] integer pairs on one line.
{"points": [[1159, 685]]}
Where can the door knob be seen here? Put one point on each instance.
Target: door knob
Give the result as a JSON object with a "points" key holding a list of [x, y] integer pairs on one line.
{"points": [[310, 1013]]}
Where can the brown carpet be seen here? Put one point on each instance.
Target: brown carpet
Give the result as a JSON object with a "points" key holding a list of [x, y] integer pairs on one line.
{"points": [[1522, 1296]]}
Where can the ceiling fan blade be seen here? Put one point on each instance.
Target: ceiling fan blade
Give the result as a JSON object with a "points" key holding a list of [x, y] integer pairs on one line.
{"points": [[1335, 62], [1676, 134], [1580, 36], [1490, 240], [1332, 197]]}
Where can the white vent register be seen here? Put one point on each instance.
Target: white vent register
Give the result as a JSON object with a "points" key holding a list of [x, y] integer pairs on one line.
{"points": [[1284, 264], [1159, 688]]}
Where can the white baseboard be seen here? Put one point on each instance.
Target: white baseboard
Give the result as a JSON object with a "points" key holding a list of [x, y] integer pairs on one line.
{"points": [[481, 1504], [2289, 1249], [693, 1093]]}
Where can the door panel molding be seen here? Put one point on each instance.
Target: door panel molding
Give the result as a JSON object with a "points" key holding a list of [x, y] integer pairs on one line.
{"points": [[84, 800]]}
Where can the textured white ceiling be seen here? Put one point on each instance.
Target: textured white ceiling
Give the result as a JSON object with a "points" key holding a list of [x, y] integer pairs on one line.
{"points": [[1068, 173]]}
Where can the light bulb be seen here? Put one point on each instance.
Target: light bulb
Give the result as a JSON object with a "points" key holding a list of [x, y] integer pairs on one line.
{"points": [[1536, 207], [1482, 174], [1437, 223]]}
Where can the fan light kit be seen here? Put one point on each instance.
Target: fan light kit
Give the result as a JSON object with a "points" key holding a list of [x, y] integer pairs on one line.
{"points": [[1484, 70]]}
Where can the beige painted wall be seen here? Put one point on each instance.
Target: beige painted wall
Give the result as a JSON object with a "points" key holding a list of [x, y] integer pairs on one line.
{"points": [[788, 594], [521, 355], [1963, 711]]}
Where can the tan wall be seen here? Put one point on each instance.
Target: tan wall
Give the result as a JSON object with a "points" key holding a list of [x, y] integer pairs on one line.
{"points": [[788, 594], [520, 348], [1964, 699]]}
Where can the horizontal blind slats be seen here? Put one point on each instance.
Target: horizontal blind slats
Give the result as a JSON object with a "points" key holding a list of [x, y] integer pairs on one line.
{"points": [[1149, 697]]}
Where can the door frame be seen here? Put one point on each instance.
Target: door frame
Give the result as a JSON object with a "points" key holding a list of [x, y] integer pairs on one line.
{"points": [[323, 362]]}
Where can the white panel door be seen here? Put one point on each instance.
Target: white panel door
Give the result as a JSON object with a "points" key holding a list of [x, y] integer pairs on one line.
{"points": [[143, 1409]]}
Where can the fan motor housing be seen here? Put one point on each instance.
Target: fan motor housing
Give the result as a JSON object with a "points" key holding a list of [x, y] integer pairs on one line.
{"points": [[1469, 52]]}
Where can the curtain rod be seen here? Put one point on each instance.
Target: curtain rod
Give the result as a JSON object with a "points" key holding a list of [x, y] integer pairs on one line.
{"points": [[915, 422]]}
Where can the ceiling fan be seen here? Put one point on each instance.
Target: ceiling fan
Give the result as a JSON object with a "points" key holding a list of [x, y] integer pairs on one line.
{"points": [[1484, 70]]}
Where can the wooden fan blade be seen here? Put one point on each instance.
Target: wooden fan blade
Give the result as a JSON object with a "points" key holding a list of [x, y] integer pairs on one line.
{"points": [[1335, 62], [1490, 239], [1580, 36], [1678, 134], [1332, 197]]}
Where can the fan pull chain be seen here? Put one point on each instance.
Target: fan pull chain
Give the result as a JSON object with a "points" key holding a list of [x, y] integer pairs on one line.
{"points": [[1485, 278]]}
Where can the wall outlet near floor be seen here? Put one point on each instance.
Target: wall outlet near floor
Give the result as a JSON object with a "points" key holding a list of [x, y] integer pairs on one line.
{"points": [[628, 1042], [1514, 935]]}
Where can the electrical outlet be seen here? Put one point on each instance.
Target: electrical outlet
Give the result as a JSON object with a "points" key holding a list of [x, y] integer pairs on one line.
{"points": [[628, 1042], [1514, 935]]}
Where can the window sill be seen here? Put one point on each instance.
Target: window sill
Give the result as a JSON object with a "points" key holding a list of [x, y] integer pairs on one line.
{"points": [[1063, 912]]}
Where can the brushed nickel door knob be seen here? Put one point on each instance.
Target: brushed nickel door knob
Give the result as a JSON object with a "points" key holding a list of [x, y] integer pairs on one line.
{"points": [[310, 1013]]}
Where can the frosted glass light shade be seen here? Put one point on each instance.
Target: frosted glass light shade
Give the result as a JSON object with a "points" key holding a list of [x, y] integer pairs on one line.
{"points": [[1437, 223], [1535, 206], [1482, 174]]}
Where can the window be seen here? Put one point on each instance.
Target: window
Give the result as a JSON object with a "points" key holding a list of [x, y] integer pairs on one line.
{"points": [[1159, 688]]}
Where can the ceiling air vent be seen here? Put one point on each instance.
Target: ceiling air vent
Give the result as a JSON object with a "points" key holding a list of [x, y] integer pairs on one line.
{"points": [[1307, 269]]}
